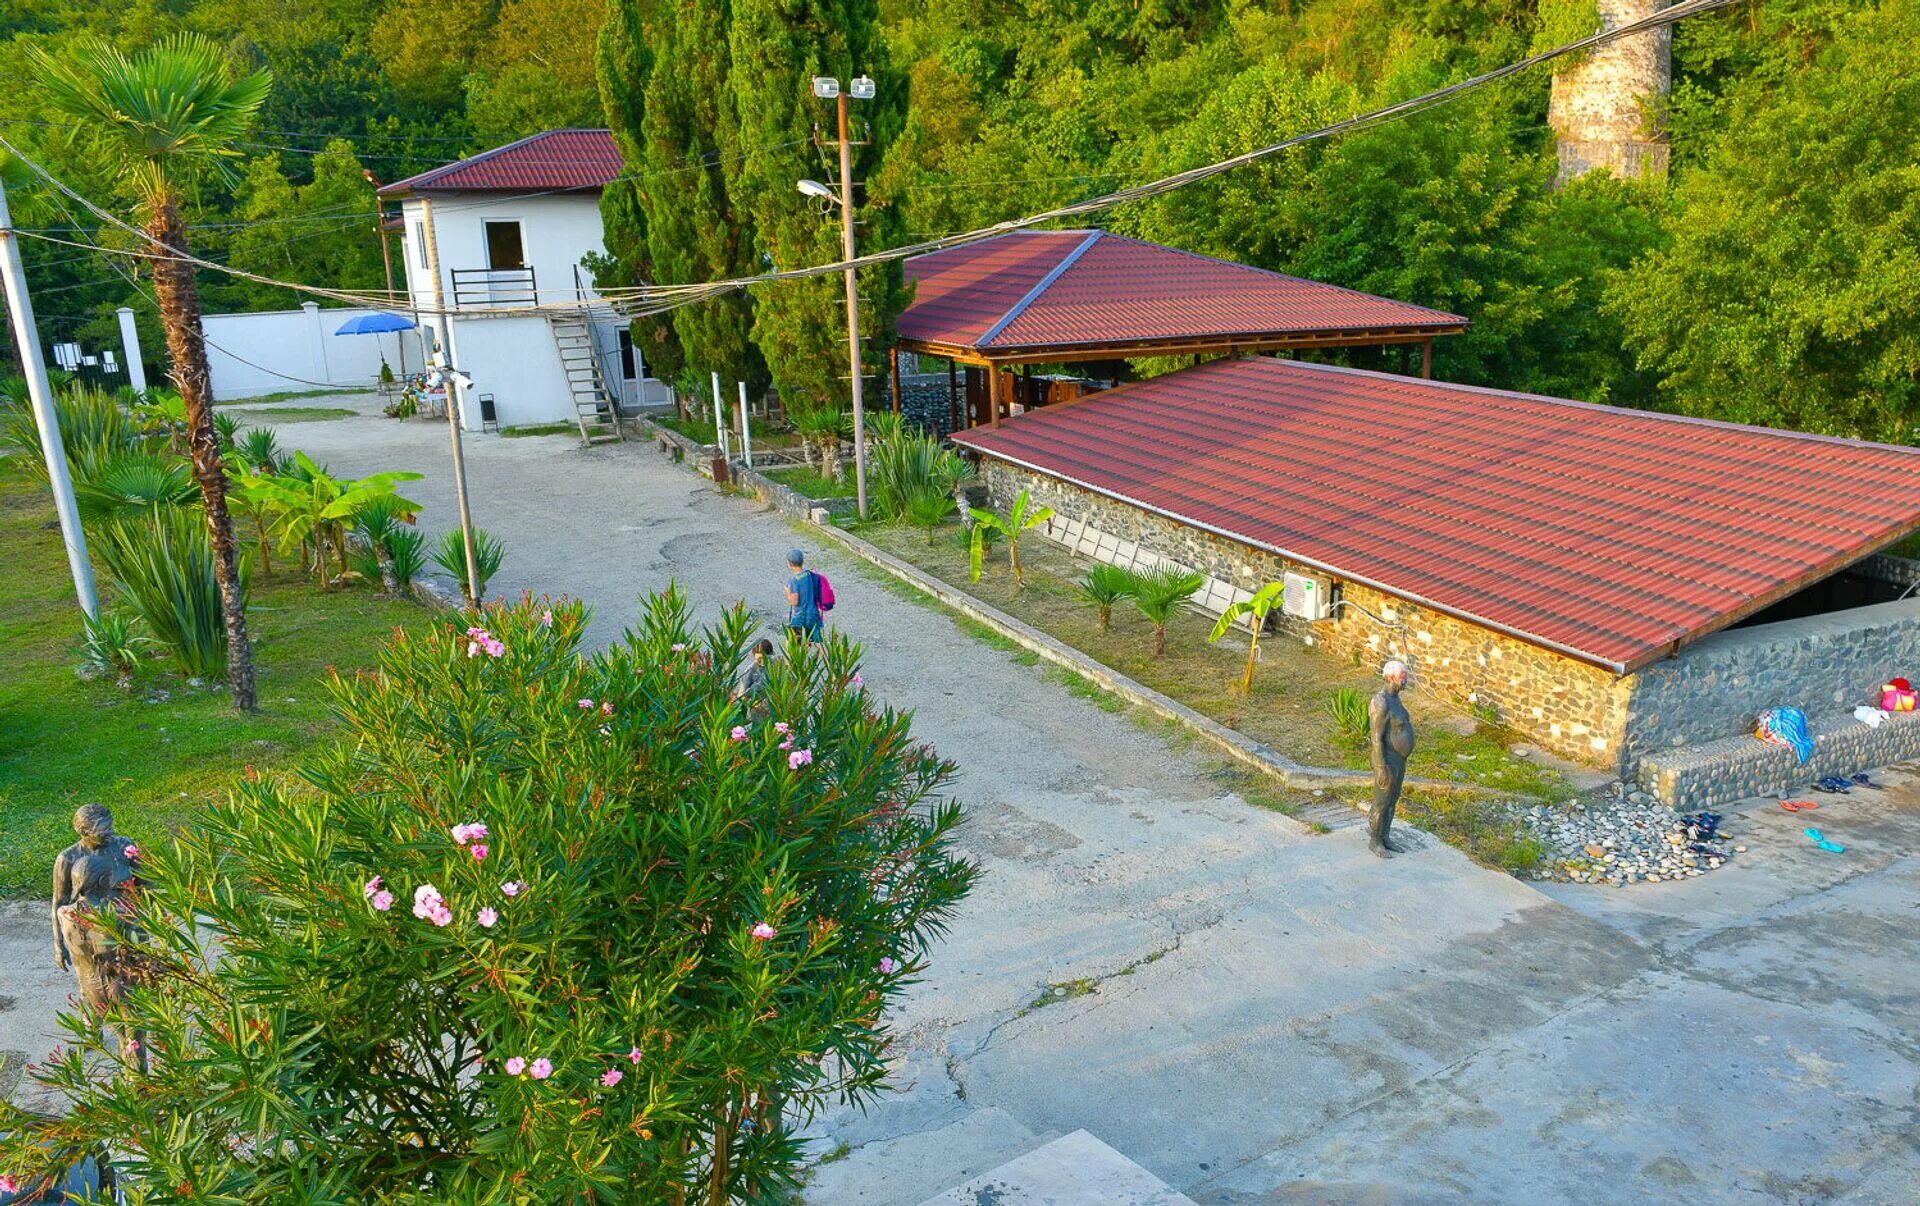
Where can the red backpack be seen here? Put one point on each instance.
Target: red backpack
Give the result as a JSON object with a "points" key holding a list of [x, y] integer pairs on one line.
{"points": [[826, 591]]}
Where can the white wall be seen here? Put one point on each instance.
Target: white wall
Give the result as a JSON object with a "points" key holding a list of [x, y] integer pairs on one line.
{"points": [[556, 232], [279, 350]]}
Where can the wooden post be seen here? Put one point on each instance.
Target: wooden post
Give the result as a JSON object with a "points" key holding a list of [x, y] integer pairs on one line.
{"points": [[893, 358], [993, 393], [1426, 358], [1026, 386], [953, 392]]}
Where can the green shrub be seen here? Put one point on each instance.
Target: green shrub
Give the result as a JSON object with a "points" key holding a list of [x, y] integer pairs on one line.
{"points": [[1348, 707], [451, 556], [907, 465], [258, 449], [703, 936], [133, 481], [226, 429], [114, 643], [386, 547], [93, 428], [163, 562], [928, 507], [1159, 594], [1104, 586]]}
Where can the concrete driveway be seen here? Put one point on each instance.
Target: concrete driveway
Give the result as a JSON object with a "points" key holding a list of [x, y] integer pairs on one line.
{"points": [[1253, 1012]]}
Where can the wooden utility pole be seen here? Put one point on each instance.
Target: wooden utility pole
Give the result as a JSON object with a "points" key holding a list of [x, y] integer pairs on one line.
{"points": [[456, 398], [853, 313]]}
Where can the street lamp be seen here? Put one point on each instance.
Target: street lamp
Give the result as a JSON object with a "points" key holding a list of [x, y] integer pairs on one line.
{"points": [[862, 88]]}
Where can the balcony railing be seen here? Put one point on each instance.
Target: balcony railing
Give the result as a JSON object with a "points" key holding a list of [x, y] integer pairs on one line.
{"points": [[483, 287]]}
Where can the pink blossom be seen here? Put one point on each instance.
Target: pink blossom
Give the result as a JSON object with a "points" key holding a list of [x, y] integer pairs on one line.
{"points": [[542, 1068], [132, 852], [799, 758], [8, 1184], [546, 619], [781, 726], [441, 916], [481, 641], [787, 744], [679, 648], [858, 681], [586, 705], [888, 965], [479, 852], [426, 901], [487, 916], [763, 931], [469, 832], [370, 887], [516, 1066], [633, 1056], [514, 887], [611, 1077], [739, 732], [382, 900], [606, 707]]}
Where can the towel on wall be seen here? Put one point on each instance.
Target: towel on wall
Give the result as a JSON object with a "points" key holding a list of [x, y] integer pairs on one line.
{"points": [[1788, 727]]}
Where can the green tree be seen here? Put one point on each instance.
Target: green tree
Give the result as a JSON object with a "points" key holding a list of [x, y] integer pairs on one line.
{"points": [[164, 117], [777, 47], [1254, 609], [1790, 294], [531, 75], [323, 231]]}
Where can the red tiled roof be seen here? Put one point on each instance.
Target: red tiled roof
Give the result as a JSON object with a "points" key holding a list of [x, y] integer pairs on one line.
{"points": [[554, 159], [1612, 535], [1054, 288]]}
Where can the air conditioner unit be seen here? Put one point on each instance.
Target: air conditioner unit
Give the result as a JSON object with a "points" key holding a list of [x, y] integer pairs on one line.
{"points": [[1306, 596]]}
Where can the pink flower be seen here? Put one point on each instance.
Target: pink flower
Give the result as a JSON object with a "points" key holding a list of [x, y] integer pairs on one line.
{"points": [[787, 744], [514, 887], [542, 1068], [586, 705], [481, 641], [8, 1184], [799, 758], [858, 681], [781, 726], [382, 900], [546, 619], [370, 887], [132, 852], [516, 1066], [441, 916], [888, 965], [763, 931], [487, 917], [611, 1077], [606, 707], [633, 1056], [468, 833], [679, 648], [739, 732], [426, 901], [479, 852]]}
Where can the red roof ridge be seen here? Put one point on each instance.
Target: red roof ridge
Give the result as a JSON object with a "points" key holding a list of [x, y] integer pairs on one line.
{"points": [[427, 177]]}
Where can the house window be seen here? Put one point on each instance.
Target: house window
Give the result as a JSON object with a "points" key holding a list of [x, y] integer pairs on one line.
{"points": [[504, 250], [420, 242], [627, 372]]}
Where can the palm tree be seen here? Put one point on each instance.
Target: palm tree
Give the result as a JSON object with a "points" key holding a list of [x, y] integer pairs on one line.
{"points": [[1258, 606], [1159, 594], [161, 118]]}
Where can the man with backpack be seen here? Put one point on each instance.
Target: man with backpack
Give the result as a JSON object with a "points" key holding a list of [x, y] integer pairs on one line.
{"points": [[809, 596]]}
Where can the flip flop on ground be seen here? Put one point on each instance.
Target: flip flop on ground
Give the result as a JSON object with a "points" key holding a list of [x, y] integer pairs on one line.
{"points": [[1821, 840]]}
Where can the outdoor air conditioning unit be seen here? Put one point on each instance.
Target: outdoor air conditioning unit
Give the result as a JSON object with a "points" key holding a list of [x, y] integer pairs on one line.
{"points": [[1306, 596]]}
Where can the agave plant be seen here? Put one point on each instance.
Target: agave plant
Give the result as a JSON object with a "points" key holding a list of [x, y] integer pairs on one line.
{"points": [[1018, 519], [115, 643], [451, 556], [164, 563], [1256, 609], [384, 534], [226, 428], [1159, 594], [134, 481], [1348, 707], [1104, 586], [258, 449]]}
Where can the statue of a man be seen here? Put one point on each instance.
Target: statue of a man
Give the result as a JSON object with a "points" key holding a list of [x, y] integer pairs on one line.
{"points": [[1391, 745], [90, 878]]}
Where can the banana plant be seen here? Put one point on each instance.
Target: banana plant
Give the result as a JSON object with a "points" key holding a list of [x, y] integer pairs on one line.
{"points": [[1019, 518], [1256, 608], [309, 504]]}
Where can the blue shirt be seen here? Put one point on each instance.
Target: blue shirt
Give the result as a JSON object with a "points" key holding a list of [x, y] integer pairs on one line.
{"points": [[806, 587]]}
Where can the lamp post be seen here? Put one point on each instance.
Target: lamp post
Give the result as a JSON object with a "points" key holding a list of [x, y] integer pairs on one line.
{"points": [[861, 88]]}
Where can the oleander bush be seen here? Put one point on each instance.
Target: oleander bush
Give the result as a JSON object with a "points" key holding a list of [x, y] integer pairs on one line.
{"points": [[541, 928]]}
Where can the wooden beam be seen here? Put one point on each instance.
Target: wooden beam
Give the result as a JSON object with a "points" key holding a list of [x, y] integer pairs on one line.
{"points": [[953, 392], [893, 365], [1189, 345], [1426, 359], [993, 395]]}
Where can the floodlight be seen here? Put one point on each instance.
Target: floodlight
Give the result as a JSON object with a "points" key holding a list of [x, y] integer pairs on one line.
{"points": [[813, 188], [861, 88], [826, 87]]}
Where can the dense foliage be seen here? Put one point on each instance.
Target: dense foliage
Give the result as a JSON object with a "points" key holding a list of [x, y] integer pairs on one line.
{"points": [[543, 928], [1767, 280]]}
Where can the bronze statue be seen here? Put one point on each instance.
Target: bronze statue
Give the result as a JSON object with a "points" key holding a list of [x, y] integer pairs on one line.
{"points": [[1391, 745], [90, 877]]}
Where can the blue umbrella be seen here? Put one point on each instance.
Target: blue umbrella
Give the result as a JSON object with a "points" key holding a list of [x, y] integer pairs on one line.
{"points": [[374, 324]]}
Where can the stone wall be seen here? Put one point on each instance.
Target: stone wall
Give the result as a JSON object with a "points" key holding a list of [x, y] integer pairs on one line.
{"points": [[1573, 709], [1606, 108], [1820, 664]]}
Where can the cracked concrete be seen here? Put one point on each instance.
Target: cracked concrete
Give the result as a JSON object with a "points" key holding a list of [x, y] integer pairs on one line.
{"points": [[1319, 1025]]}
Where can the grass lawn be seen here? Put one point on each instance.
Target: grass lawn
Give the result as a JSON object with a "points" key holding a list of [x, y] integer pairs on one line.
{"points": [[292, 395], [547, 429], [298, 414], [700, 431], [154, 753], [1287, 708], [810, 483]]}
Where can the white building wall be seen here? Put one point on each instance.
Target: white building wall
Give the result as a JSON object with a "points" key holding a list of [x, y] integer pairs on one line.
{"points": [[276, 351]]}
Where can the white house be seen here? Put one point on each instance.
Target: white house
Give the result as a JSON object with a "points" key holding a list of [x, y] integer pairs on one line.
{"points": [[505, 229]]}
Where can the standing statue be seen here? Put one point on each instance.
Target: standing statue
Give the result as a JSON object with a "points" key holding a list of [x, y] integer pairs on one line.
{"points": [[90, 877], [1391, 744]]}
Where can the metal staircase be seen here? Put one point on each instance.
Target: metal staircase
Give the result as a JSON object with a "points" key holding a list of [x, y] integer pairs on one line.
{"points": [[595, 400]]}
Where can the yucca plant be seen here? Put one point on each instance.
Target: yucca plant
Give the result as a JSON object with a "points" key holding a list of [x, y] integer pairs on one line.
{"points": [[1104, 586], [164, 564], [1159, 594], [226, 428], [134, 481], [451, 556], [115, 643], [928, 507], [94, 429], [1018, 519], [1348, 707], [1257, 609], [258, 449], [388, 544]]}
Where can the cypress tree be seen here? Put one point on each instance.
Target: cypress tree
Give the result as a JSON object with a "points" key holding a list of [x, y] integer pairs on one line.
{"points": [[777, 47]]}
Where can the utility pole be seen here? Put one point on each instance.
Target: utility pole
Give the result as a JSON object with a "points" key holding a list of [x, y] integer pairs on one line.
{"points": [[386, 260], [443, 323], [853, 309], [34, 363]]}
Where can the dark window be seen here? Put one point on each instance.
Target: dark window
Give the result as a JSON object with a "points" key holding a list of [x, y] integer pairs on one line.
{"points": [[420, 242], [503, 246], [627, 372]]}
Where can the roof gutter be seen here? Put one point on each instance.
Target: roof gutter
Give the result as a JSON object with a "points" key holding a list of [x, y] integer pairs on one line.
{"points": [[1618, 668]]}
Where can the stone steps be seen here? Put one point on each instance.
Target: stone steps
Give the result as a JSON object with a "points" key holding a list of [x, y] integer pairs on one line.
{"points": [[1733, 768]]}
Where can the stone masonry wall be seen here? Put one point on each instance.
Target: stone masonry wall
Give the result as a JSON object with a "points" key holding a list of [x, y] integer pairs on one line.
{"points": [[1821, 664], [1604, 108], [1573, 709]]}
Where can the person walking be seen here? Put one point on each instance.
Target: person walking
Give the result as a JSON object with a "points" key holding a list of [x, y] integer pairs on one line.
{"points": [[803, 597]]}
